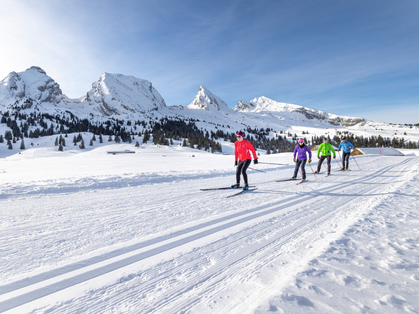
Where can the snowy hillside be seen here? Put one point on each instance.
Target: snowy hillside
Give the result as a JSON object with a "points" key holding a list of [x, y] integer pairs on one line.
{"points": [[84, 231]]}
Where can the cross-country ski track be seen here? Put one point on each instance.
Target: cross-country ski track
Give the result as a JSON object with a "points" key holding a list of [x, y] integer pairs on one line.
{"points": [[168, 247]]}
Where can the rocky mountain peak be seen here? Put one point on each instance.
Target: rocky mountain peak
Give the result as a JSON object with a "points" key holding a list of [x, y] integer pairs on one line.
{"points": [[206, 100], [123, 94]]}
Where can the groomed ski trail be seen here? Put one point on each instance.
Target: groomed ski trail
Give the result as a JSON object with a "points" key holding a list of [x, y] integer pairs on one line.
{"points": [[207, 258]]}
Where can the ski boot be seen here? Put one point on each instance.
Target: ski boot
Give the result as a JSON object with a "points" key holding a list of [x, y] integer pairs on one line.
{"points": [[235, 186], [246, 187]]}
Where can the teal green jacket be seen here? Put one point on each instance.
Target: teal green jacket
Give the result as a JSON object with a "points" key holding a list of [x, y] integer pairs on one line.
{"points": [[326, 149]]}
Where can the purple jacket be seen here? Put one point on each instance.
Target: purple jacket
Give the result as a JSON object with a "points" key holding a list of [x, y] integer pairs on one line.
{"points": [[302, 152]]}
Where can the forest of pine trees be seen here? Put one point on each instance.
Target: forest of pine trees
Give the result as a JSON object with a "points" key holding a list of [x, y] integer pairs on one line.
{"points": [[164, 131]]}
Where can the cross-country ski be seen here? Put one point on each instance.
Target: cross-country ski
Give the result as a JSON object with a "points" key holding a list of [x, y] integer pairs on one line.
{"points": [[241, 192], [226, 188], [285, 180]]}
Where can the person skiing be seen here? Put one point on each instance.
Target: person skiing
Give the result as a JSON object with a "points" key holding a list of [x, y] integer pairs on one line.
{"points": [[301, 151], [346, 147], [325, 149], [242, 149]]}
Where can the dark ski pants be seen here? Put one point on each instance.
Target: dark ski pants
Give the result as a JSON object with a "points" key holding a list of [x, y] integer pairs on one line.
{"points": [[241, 169], [345, 160], [301, 163], [329, 166]]}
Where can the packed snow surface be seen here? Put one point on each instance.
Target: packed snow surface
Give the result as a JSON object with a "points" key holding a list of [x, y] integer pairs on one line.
{"points": [[83, 231]]}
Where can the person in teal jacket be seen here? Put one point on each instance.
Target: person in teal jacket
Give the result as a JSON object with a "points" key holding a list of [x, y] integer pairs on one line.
{"points": [[346, 147], [326, 150]]}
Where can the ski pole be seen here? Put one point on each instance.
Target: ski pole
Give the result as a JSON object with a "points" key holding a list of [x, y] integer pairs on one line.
{"points": [[312, 170], [356, 163], [340, 157], [338, 164], [270, 163], [257, 170]]}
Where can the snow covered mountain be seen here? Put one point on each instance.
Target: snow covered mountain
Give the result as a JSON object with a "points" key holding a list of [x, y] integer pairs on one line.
{"points": [[208, 101], [128, 99], [117, 94], [264, 104], [32, 87]]}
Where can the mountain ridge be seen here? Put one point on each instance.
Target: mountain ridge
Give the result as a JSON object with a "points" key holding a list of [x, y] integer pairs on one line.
{"points": [[128, 97]]}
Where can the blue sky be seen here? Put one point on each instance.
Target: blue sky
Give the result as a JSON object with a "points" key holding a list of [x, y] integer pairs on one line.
{"points": [[356, 58]]}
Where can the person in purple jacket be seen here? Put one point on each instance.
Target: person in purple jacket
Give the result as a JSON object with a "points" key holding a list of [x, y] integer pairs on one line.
{"points": [[301, 151]]}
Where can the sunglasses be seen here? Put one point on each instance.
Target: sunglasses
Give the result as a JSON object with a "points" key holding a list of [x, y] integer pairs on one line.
{"points": [[238, 136]]}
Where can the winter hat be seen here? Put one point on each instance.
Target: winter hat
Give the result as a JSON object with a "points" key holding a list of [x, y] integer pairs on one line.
{"points": [[301, 140], [343, 138], [240, 134], [325, 140]]}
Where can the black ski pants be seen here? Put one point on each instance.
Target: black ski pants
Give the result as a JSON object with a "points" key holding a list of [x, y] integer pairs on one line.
{"points": [[345, 160], [329, 166], [301, 163], [241, 169]]}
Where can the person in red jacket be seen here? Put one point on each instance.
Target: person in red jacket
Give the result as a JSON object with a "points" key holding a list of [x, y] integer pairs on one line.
{"points": [[242, 149]]}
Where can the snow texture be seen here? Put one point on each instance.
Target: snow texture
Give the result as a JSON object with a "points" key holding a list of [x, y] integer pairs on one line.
{"points": [[83, 231]]}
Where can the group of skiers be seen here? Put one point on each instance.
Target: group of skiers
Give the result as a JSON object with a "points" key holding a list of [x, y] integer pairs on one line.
{"points": [[243, 148]]}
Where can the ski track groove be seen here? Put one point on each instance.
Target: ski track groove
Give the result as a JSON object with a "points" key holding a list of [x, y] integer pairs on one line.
{"points": [[237, 258], [237, 270]]}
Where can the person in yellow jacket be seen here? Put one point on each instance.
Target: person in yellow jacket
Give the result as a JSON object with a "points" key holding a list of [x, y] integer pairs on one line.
{"points": [[326, 150]]}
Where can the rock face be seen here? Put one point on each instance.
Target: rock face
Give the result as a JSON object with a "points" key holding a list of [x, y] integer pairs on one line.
{"points": [[116, 94], [264, 104], [31, 87], [206, 100]]}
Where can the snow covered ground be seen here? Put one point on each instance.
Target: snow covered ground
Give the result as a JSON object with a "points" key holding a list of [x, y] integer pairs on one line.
{"points": [[88, 232]]}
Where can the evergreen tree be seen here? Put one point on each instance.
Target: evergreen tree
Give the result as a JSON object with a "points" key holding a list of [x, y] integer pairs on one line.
{"points": [[56, 141], [22, 144], [82, 144], [91, 142], [100, 139], [137, 144]]}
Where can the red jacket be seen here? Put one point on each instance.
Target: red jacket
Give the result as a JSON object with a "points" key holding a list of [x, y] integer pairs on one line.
{"points": [[242, 150]]}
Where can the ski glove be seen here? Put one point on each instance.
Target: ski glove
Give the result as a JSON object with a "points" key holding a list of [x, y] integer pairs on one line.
{"points": [[334, 157], [309, 161], [235, 163], [255, 161], [293, 159]]}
